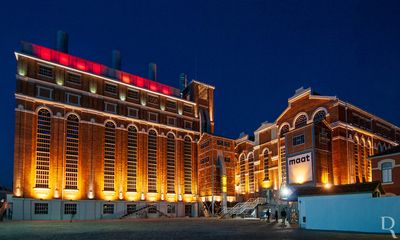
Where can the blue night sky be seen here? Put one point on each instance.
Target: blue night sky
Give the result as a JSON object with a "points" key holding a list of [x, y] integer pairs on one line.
{"points": [[255, 52]]}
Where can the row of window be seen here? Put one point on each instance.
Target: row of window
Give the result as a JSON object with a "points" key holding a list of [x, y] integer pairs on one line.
{"points": [[72, 209], [75, 79], [75, 99], [301, 121], [43, 144]]}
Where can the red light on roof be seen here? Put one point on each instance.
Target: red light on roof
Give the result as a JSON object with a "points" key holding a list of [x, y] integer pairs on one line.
{"points": [[63, 59], [126, 78], [165, 90], [153, 86], [139, 81], [45, 53], [96, 68], [81, 65]]}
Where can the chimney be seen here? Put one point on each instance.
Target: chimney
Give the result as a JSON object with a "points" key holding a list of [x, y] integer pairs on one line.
{"points": [[62, 41], [116, 59], [153, 71], [182, 81]]}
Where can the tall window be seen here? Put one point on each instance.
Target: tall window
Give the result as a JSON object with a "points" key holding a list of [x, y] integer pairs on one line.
{"points": [[72, 152], [132, 159], [43, 148], [387, 172], [363, 159], [283, 164], [251, 173], [152, 162], [242, 162], [187, 164], [301, 121], [266, 165], [356, 162], [109, 156], [319, 116], [170, 163]]}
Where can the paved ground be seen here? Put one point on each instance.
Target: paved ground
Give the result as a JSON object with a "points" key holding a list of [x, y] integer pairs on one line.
{"points": [[183, 228]]}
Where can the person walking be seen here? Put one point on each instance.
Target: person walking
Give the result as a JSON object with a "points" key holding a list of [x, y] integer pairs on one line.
{"points": [[283, 216], [276, 215], [268, 214]]}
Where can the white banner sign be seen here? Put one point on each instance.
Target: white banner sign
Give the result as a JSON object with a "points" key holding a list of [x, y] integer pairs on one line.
{"points": [[300, 168]]}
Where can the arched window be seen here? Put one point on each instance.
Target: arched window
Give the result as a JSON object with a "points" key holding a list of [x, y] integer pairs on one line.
{"points": [[363, 159], [251, 173], [132, 159], [266, 165], [284, 130], [301, 121], [387, 172], [356, 159], [242, 162], [72, 152], [319, 116], [109, 156], [152, 162], [170, 163], [43, 141], [187, 164]]}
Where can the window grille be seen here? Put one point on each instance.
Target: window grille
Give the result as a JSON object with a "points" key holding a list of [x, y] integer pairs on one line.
{"points": [[187, 162], [43, 139], [72, 152], [132, 159], [109, 156], [152, 162], [171, 163]]}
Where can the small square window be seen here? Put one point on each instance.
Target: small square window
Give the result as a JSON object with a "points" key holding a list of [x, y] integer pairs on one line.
{"points": [[46, 71], [41, 208], [171, 121], [133, 112], [187, 109], [73, 99], [152, 100], [133, 94], [171, 209], [131, 208], [45, 93], [153, 117], [108, 209], [70, 208], [74, 78], [110, 107], [297, 140], [171, 106], [110, 88], [188, 125]]}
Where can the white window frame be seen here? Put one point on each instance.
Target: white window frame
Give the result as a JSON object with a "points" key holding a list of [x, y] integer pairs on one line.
{"points": [[112, 104], [67, 98], [133, 109], [48, 66], [149, 117], [191, 125], [39, 88], [169, 118]]}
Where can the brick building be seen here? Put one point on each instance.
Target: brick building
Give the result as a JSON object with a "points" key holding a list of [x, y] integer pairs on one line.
{"points": [[93, 142], [100, 142], [386, 169], [316, 140]]}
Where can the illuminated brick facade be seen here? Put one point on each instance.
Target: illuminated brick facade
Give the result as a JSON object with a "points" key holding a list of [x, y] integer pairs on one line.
{"points": [[85, 131], [339, 136]]}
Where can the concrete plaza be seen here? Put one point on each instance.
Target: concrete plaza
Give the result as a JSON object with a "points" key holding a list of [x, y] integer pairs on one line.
{"points": [[181, 228]]}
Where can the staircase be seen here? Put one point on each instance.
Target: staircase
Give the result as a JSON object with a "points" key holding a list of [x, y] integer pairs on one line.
{"points": [[140, 210], [240, 208]]}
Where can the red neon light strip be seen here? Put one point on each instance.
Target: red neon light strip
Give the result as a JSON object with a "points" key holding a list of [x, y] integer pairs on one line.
{"points": [[99, 69]]}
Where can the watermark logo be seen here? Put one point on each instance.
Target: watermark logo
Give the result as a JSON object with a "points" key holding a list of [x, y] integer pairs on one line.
{"points": [[388, 224]]}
